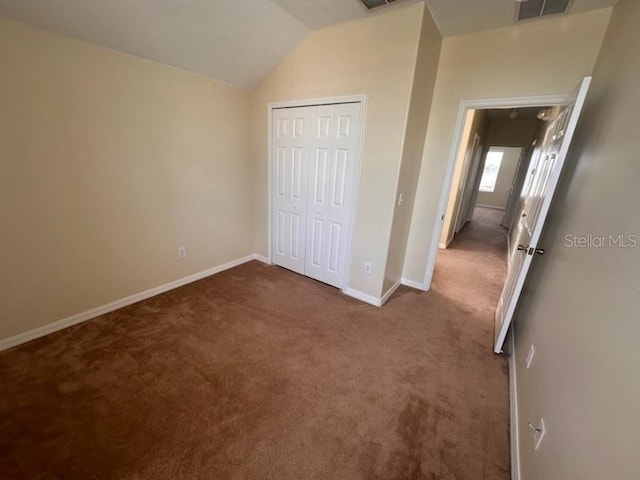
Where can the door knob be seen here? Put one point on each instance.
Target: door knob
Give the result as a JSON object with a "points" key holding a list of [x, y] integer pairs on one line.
{"points": [[530, 250]]}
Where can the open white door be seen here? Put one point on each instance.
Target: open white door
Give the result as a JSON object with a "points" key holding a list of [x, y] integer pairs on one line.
{"points": [[540, 187]]}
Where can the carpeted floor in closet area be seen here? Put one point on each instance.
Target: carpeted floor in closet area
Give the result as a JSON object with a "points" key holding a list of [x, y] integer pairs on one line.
{"points": [[259, 373]]}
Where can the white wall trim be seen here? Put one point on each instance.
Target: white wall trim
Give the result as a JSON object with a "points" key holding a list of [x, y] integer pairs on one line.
{"points": [[380, 301], [513, 407], [464, 107], [261, 258], [390, 292], [363, 297], [445, 245], [494, 207], [24, 337], [413, 284], [308, 102]]}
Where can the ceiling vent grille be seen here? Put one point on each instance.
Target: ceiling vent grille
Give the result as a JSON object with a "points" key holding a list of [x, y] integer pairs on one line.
{"points": [[371, 4], [540, 8]]}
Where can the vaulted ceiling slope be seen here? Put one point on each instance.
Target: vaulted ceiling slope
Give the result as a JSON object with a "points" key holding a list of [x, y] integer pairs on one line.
{"points": [[235, 41]]}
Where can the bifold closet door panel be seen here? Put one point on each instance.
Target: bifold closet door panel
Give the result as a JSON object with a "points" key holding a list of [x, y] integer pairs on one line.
{"points": [[290, 154], [335, 134]]}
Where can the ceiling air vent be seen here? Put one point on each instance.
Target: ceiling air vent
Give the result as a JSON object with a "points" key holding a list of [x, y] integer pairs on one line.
{"points": [[371, 4], [540, 8]]}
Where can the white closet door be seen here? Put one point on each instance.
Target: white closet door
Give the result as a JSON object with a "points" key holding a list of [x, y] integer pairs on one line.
{"points": [[334, 137], [291, 127]]}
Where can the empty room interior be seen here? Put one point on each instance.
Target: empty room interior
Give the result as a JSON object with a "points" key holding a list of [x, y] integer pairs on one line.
{"points": [[319, 239]]}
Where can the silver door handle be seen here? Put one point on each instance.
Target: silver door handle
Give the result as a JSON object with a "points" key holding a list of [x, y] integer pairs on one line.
{"points": [[530, 250]]}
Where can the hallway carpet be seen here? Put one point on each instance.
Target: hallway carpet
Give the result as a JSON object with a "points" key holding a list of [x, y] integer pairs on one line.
{"points": [[259, 373]]}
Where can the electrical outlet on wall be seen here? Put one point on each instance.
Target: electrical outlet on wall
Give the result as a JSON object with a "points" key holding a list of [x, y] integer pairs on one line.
{"points": [[182, 252], [367, 268]]}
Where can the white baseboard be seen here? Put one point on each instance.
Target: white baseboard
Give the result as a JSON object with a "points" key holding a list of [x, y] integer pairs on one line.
{"points": [[413, 284], [370, 299], [363, 297], [445, 245], [378, 302], [495, 207], [261, 258], [390, 292], [513, 407], [24, 337]]}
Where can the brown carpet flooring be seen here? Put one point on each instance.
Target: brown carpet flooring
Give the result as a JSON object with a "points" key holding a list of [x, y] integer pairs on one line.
{"points": [[258, 373]]}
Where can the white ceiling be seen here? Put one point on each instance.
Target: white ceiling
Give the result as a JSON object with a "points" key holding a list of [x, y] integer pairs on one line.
{"points": [[317, 14], [235, 41]]}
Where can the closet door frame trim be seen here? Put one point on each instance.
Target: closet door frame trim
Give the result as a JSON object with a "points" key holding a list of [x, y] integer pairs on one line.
{"points": [[362, 100]]}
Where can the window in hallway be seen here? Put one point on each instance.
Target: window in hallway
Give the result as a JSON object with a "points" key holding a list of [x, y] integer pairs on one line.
{"points": [[490, 172]]}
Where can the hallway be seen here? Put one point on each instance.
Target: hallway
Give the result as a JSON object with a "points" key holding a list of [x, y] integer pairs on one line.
{"points": [[472, 270]]}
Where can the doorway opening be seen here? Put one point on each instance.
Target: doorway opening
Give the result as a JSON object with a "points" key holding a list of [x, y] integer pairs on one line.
{"points": [[532, 184], [492, 160], [465, 107], [493, 157]]}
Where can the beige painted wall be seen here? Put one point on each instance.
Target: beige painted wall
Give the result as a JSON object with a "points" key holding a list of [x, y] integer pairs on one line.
{"points": [[536, 58], [109, 163], [377, 57], [581, 305], [498, 198], [422, 93], [475, 123]]}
